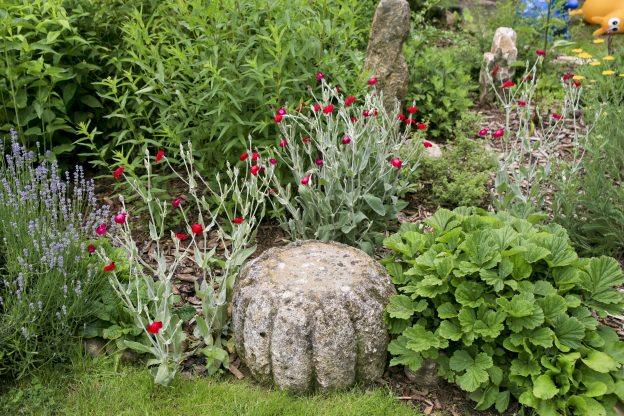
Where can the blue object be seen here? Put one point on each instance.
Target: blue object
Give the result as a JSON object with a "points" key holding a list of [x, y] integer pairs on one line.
{"points": [[536, 10]]}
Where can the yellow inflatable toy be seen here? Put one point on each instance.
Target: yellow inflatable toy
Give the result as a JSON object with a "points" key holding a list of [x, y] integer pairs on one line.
{"points": [[597, 8], [611, 23]]}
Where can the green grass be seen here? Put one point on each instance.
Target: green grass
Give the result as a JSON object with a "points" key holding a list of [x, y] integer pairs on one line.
{"points": [[98, 388]]}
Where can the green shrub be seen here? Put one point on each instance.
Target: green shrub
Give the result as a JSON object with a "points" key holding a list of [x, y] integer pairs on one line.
{"points": [[507, 309], [48, 281], [461, 175]]}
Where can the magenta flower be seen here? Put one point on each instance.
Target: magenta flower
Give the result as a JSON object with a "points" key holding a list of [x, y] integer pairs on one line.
{"points": [[483, 132], [498, 133], [319, 76], [372, 81], [319, 162], [283, 143], [305, 180], [346, 140], [281, 111], [101, 230], [397, 163], [178, 200], [120, 218], [273, 161]]}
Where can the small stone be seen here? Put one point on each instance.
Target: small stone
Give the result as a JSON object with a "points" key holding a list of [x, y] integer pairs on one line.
{"points": [[384, 55], [499, 61], [94, 346], [426, 377], [433, 151], [310, 315]]}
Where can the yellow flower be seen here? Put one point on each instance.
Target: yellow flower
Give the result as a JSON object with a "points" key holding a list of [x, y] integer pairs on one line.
{"points": [[622, 75], [608, 58], [584, 55], [609, 72], [577, 50], [598, 41], [578, 77], [595, 63]]}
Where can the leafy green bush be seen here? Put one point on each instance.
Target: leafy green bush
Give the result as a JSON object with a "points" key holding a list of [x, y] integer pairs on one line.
{"points": [[508, 309], [45, 73], [346, 174], [48, 282], [460, 176]]}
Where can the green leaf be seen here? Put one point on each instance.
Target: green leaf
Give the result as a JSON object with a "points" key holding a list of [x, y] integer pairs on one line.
{"points": [[450, 330], [447, 310], [569, 332], [561, 253], [535, 253], [138, 347], [443, 220], [522, 312], [470, 294], [375, 203], [402, 355], [505, 237], [553, 306], [502, 401], [475, 369], [481, 248], [402, 307], [599, 361], [544, 388], [419, 339], [522, 269], [541, 337], [524, 366]]}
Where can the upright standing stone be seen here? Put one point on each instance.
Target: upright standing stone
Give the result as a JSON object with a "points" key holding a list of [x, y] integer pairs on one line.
{"points": [[310, 315], [384, 56], [498, 63]]}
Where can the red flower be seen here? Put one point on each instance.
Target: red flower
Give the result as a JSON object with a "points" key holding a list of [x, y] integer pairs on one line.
{"points": [[354, 119], [120, 218], [427, 144], [397, 163], [528, 77], [508, 84], [350, 100], [181, 237], [316, 108], [366, 113], [160, 155], [498, 133], [328, 109], [254, 170], [483, 132], [303, 104], [372, 81], [421, 126], [281, 111], [375, 112], [401, 117], [338, 89], [91, 248], [496, 69], [319, 162], [154, 327], [101, 230], [255, 156], [118, 172], [556, 116], [319, 76], [238, 220], [567, 77], [178, 201], [283, 143], [521, 103], [307, 140], [244, 156], [305, 180], [273, 161], [412, 109], [577, 83], [278, 118], [197, 229], [409, 121], [110, 267], [346, 140], [540, 52]]}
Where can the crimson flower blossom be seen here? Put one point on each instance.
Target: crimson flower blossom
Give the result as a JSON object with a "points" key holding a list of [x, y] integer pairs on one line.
{"points": [[154, 327], [305, 180], [366, 113], [160, 155], [101, 230], [120, 218], [307, 140], [118, 172], [197, 229], [278, 118], [529, 77], [498, 133], [496, 69], [338, 89], [255, 156], [521, 103], [346, 140], [412, 109], [483, 132], [181, 236], [540, 52], [577, 83], [238, 220], [354, 119], [350, 100], [568, 76], [421, 126], [243, 157], [316, 108], [319, 76], [273, 161], [283, 143], [110, 267], [281, 111], [409, 121], [397, 163], [508, 84], [254, 170], [401, 117], [91, 248], [319, 162], [372, 81], [427, 144], [328, 109], [178, 201], [375, 112], [556, 116]]}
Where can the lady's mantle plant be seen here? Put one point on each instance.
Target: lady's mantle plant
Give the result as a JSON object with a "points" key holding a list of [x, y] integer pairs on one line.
{"points": [[49, 283], [148, 294], [507, 309], [343, 157]]}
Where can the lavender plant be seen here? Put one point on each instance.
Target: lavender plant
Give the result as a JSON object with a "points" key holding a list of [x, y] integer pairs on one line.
{"points": [[148, 293], [345, 162], [48, 281]]}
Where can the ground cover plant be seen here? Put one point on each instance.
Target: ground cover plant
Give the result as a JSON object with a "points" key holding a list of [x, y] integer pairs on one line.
{"points": [[507, 309]]}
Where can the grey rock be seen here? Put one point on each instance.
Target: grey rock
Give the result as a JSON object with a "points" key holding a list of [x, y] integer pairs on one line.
{"points": [[502, 55], [94, 346], [309, 315], [384, 55], [426, 377]]}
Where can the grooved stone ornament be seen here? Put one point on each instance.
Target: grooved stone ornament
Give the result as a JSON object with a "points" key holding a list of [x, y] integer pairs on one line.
{"points": [[309, 315]]}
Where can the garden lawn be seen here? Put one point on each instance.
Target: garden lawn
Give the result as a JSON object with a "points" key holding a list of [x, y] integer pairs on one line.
{"points": [[102, 390]]}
